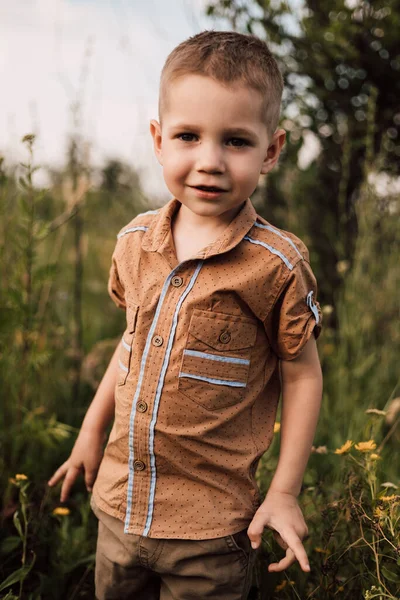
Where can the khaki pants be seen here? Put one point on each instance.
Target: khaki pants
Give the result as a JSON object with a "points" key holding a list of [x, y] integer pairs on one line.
{"points": [[141, 568]]}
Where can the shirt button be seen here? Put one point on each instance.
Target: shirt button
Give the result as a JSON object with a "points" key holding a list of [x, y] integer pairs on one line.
{"points": [[157, 340], [142, 406], [138, 465], [225, 337], [176, 281]]}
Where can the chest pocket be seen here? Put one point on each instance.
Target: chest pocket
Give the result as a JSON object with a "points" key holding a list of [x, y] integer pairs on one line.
{"points": [[125, 354], [216, 359]]}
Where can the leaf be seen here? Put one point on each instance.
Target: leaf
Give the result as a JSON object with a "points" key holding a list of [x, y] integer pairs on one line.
{"points": [[42, 230], [10, 596], [17, 523], [389, 575], [18, 575], [24, 208], [9, 544]]}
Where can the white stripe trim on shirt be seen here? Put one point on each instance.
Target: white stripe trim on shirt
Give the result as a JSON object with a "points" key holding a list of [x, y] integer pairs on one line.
{"points": [[271, 249], [213, 380], [159, 392], [312, 306], [277, 232], [149, 212], [228, 359], [136, 397], [123, 367], [131, 229], [125, 345]]}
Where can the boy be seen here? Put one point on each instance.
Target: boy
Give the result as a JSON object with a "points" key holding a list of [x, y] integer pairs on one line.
{"points": [[220, 308]]}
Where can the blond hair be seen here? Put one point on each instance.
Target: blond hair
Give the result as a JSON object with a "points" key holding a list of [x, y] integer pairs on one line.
{"points": [[228, 57]]}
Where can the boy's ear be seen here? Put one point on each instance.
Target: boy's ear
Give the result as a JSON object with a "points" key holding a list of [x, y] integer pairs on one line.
{"points": [[274, 150], [155, 130]]}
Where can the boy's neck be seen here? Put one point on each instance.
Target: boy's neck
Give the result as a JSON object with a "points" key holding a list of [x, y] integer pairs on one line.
{"points": [[202, 224]]}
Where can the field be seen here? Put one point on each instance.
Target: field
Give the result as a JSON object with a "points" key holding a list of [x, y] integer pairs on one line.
{"points": [[58, 330]]}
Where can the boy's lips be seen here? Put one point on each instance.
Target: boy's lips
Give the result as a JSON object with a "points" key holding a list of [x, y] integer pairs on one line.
{"points": [[207, 193], [208, 188]]}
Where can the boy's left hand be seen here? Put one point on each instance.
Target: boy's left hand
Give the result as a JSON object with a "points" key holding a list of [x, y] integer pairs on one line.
{"points": [[281, 513]]}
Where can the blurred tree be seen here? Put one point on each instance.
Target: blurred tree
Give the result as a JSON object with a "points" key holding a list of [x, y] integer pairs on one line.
{"points": [[336, 57]]}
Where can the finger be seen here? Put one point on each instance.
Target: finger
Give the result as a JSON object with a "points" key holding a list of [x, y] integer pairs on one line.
{"points": [[59, 474], [284, 563], [68, 482], [90, 478], [294, 543], [255, 531]]}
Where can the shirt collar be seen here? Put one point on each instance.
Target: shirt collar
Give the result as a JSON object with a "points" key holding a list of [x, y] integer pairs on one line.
{"points": [[160, 227]]}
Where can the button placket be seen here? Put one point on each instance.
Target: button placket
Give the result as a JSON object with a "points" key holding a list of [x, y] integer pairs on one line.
{"points": [[150, 390]]}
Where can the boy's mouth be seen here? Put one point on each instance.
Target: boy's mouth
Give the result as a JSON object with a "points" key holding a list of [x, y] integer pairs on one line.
{"points": [[208, 188]]}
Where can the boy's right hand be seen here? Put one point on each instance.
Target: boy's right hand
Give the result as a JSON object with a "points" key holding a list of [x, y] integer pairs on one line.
{"points": [[86, 456]]}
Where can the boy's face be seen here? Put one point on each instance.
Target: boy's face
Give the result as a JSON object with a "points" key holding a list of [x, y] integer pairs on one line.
{"points": [[213, 145]]}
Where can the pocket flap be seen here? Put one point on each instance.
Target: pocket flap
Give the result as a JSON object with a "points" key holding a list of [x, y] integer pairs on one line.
{"points": [[131, 317], [221, 331]]}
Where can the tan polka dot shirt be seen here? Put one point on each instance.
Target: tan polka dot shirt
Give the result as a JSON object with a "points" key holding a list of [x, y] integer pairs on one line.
{"points": [[198, 382]]}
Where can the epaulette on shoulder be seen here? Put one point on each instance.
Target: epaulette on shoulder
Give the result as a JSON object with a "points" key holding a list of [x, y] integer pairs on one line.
{"points": [[140, 223], [284, 244]]}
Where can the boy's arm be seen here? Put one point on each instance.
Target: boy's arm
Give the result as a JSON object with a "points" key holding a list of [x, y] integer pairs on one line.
{"points": [[301, 401], [87, 452]]}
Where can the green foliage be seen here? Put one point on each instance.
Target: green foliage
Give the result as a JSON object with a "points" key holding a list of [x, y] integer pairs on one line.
{"points": [[58, 542], [335, 57], [353, 516], [45, 554]]}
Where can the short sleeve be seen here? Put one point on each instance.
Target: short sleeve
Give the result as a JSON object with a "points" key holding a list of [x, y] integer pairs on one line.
{"points": [[115, 286], [295, 314]]}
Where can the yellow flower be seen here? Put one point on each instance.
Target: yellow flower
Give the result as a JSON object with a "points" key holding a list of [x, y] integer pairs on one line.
{"points": [[365, 446], [62, 511], [378, 512], [321, 550], [375, 411], [277, 427], [389, 498], [283, 584], [327, 309], [280, 586], [345, 448], [20, 477], [374, 456]]}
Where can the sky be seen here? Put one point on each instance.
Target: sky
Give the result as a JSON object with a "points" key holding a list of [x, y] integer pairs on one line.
{"points": [[105, 55]]}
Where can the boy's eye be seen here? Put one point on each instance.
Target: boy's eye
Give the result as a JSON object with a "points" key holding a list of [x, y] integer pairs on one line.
{"points": [[235, 142], [238, 142], [186, 137]]}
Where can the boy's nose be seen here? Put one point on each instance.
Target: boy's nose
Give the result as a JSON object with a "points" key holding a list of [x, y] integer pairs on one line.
{"points": [[210, 159]]}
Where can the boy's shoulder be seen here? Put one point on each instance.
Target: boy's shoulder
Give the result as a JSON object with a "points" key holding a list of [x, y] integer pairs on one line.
{"points": [[141, 222], [286, 243]]}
